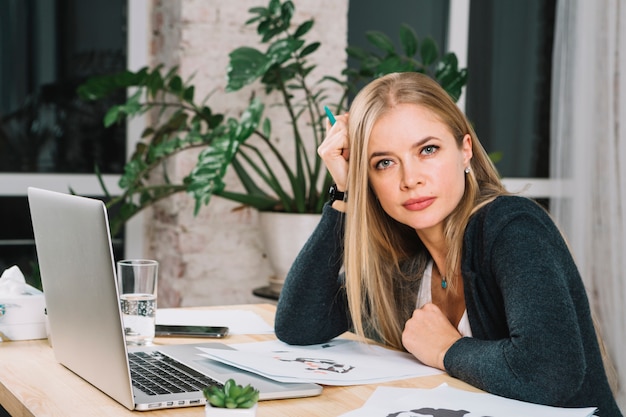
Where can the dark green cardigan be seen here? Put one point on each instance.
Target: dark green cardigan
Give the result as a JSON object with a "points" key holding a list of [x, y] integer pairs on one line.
{"points": [[533, 337]]}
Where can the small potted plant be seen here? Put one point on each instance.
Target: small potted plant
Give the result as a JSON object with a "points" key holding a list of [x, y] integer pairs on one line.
{"points": [[231, 400]]}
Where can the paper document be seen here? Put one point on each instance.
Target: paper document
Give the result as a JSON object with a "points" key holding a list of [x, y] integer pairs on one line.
{"points": [[448, 401], [338, 362], [238, 321]]}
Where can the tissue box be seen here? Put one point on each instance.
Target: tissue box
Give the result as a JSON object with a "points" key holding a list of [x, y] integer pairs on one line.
{"points": [[22, 317]]}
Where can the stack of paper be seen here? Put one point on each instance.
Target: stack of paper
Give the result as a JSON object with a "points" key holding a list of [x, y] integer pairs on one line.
{"points": [[339, 362], [447, 401]]}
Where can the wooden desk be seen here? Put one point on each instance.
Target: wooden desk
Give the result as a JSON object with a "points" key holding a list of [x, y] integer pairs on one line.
{"points": [[32, 383]]}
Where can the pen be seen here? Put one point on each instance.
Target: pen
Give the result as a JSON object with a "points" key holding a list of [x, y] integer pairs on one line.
{"points": [[331, 118]]}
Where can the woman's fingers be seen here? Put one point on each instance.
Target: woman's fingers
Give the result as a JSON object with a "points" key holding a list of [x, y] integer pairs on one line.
{"points": [[428, 335], [334, 151]]}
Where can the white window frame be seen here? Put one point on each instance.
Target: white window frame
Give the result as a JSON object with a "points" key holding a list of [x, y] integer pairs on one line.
{"points": [[139, 12]]}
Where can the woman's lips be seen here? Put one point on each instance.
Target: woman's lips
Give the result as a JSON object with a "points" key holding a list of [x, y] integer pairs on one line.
{"points": [[417, 204]]}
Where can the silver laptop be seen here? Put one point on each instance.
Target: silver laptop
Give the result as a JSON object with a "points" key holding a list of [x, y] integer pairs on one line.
{"points": [[78, 277]]}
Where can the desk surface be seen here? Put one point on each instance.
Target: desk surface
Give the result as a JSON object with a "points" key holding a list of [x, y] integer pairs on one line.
{"points": [[32, 383]]}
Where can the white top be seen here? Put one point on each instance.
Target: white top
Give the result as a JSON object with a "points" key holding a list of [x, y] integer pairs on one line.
{"points": [[425, 296]]}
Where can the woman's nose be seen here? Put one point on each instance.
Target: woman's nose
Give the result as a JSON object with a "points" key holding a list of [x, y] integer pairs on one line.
{"points": [[411, 176]]}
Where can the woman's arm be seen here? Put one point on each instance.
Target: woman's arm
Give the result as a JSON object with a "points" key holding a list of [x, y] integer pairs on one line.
{"points": [[527, 307], [312, 307]]}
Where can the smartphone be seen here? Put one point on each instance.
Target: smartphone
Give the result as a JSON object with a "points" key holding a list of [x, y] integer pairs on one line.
{"points": [[190, 331]]}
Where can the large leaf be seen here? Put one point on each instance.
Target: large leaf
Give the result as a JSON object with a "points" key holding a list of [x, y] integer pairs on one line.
{"points": [[248, 182], [259, 202], [408, 39], [176, 85], [303, 29], [280, 51], [455, 86], [246, 65], [429, 51], [393, 64], [249, 121], [309, 49], [357, 52], [207, 176], [381, 41]]}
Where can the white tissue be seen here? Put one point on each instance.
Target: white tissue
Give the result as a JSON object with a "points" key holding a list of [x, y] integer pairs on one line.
{"points": [[12, 282], [22, 308]]}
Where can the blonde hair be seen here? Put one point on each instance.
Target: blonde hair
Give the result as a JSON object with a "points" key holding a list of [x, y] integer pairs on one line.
{"points": [[376, 246]]}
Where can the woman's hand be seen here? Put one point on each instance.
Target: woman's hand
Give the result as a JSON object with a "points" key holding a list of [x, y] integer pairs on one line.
{"points": [[334, 151], [428, 335]]}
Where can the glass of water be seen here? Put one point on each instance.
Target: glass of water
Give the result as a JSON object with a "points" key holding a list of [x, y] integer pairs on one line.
{"points": [[137, 283]]}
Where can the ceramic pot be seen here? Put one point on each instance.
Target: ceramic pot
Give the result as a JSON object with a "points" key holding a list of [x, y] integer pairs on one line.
{"points": [[210, 411], [283, 235]]}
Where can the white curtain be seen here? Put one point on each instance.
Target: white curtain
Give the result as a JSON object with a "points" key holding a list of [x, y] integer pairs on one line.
{"points": [[588, 157]]}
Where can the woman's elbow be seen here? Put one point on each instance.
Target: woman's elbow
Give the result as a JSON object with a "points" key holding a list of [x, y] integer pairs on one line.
{"points": [[556, 388], [303, 332], [295, 336]]}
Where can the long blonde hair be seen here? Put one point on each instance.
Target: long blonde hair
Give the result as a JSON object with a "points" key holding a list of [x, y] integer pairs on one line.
{"points": [[377, 246]]}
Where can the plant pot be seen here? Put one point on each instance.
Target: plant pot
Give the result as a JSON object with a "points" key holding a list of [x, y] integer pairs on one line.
{"points": [[210, 411], [283, 235]]}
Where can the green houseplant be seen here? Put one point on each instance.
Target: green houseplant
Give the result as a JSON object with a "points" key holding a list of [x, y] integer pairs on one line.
{"points": [[277, 180], [283, 67], [181, 123]]}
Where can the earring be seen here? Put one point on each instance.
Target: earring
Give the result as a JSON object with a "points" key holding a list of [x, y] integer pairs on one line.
{"points": [[467, 170]]}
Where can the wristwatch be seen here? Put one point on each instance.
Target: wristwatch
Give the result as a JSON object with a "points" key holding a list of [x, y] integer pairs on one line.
{"points": [[335, 194]]}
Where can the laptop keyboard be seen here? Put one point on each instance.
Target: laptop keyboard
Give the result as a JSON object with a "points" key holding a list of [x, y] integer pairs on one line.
{"points": [[155, 373]]}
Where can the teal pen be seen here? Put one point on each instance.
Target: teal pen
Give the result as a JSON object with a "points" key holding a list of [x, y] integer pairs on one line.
{"points": [[331, 118]]}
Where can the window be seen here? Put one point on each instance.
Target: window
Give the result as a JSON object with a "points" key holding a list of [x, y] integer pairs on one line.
{"points": [[508, 91], [426, 17], [509, 60], [507, 47], [48, 49], [48, 138]]}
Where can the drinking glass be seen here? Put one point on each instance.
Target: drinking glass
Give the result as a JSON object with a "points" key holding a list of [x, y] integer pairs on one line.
{"points": [[137, 283]]}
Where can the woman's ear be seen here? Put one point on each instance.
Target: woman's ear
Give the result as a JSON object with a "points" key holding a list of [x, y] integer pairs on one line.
{"points": [[466, 148]]}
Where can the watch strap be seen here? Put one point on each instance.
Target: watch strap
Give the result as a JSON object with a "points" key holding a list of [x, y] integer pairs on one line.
{"points": [[334, 194]]}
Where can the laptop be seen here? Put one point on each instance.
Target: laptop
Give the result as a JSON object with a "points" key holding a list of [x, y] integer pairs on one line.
{"points": [[77, 268]]}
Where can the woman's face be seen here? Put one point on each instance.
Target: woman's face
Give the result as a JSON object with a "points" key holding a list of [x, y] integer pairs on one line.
{"points": [[416, 168]]}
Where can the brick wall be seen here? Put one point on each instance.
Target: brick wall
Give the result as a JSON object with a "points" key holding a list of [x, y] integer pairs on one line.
{"points": [[217, 257]]}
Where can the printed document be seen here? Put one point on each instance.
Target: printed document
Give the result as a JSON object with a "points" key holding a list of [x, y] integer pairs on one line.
{"points": [[338, 362], [445, 401]]}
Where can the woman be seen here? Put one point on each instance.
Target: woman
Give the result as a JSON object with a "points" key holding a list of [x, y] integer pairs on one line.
{"points": [[439, 260]]}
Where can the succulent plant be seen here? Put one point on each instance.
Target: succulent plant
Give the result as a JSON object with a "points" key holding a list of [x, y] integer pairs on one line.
{"points": [[231, 395]]}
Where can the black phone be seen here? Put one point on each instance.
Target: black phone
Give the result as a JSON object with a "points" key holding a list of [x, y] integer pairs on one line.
{"points": [[190, 331]]}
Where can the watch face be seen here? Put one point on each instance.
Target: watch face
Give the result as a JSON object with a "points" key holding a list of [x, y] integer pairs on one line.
{"points": [[335, 194]]}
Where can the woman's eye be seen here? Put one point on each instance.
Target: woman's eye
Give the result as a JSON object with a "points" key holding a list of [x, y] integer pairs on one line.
{"points": [[384, 163], [430, 149]]}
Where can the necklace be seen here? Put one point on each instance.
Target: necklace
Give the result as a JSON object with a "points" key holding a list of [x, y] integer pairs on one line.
{"points": [[444, 280]]}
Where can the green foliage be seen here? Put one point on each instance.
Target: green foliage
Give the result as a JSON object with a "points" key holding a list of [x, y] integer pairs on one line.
{"points": [[180, 124], [282, 67], [231, 395], [421, 57]]}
